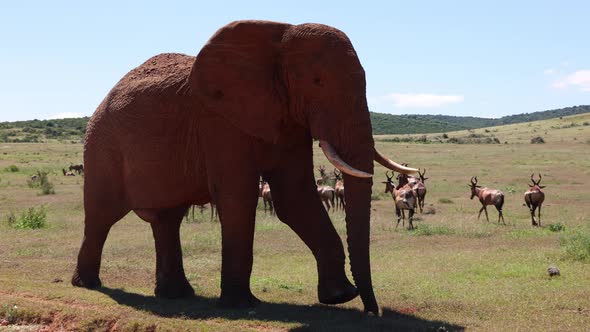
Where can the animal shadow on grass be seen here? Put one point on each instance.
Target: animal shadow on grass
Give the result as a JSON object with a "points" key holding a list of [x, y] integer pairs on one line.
{"points": [[312, 317]]}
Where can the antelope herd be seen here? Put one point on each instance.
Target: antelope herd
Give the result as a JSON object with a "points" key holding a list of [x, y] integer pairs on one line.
{"points": [[408, 195]]}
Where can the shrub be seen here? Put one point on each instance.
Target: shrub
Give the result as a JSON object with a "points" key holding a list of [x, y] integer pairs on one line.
{"points": [[30, 219], [42, 182], [12, 168], [10, 313], [537, 140], [576, 245], [559, 227]]}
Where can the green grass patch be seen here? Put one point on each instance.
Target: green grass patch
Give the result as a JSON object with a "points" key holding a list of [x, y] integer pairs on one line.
{"points": [[576, 245], [445, 201], [527, 233], [429, 230]]}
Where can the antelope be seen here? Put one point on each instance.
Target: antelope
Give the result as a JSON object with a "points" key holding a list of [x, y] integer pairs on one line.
{"points": [[404, 198], [339, 190], [327, 195], [323, 180], [420, 188], [67, 173], [264, 192], [534, 198], [191, 211], [487, 197], [78, 168]]}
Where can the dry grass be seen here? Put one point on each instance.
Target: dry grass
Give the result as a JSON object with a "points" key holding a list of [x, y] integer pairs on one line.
{"points": [[453, 271]]}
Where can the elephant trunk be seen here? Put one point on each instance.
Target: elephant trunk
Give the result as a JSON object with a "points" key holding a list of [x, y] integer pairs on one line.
{"points": [[358, 211]]}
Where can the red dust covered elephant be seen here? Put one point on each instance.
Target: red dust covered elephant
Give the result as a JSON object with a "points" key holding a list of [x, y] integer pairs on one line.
{"points": [[174, 130]]}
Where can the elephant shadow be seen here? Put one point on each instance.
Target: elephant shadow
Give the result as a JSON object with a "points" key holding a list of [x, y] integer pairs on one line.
{"points": [[311, 317]]}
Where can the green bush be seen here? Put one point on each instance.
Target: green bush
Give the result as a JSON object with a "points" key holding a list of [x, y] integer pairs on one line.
{"points": [[32, 218], [576, 245], [559, 227], [12, 168], [42, 182]]}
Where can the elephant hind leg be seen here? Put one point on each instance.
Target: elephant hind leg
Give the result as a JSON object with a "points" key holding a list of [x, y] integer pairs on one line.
{"points": [[103, 208], [171, 281]]}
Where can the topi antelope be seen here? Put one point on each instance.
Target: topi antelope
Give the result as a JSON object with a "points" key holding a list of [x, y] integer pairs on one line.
{"points": [[534, 198], [324, 178], [78, 168], [420, 188], [404, 198], [339, 190], [327, 196], [487, 197], [264, 192]]}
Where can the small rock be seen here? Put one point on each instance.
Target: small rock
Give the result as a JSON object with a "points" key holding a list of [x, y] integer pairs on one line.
{"points": [[553, 271], [442, 329]]}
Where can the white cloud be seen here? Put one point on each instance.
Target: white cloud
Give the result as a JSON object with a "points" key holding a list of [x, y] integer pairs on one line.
{"points": [[65, 115], [549, 71], [579, 79], [422, 100]]}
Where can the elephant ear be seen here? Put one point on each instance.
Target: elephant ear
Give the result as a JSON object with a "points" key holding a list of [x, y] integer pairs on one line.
{"points": [[237, 76]]}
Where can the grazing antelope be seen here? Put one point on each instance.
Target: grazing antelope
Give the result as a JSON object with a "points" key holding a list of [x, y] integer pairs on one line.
{"points": [[534, 198], [404, 198], [78, 168], [339, 190], [67, 173], [487, 197], [420, 188], [264, 192]]}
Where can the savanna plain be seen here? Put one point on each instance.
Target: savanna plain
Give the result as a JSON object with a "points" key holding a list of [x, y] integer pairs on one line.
{"points": [[452, 272]]}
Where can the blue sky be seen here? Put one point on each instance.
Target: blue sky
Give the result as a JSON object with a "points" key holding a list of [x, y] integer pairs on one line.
{"points": [[488, 59]]}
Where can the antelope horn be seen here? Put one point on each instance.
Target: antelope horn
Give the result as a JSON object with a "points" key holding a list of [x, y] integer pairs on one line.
{"points": [[539, 179], [392, 165], [473, 183], [335, 160]]}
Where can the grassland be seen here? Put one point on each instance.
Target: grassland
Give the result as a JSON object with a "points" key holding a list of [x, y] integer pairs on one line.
{"points": [[453, 271]]}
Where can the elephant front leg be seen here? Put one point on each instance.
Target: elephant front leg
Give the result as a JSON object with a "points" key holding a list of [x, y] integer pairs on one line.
{"points": [[171, 281], [237, 212], [298, 205]]}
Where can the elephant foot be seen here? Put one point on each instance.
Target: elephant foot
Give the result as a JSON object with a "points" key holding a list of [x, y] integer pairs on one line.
{"points": [[86, 282], [238, 300], [174, 289], [336, 295]]}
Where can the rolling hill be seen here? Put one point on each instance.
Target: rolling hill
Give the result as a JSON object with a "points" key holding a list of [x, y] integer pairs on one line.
{"points": [[34, 131]]}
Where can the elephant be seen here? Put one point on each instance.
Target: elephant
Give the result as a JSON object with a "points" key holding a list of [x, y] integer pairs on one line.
{"points": [[173, 131]]}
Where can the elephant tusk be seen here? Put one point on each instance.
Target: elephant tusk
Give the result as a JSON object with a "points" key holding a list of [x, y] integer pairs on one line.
{"points": [[335, 160], [392, 165]]}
